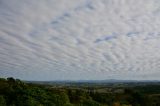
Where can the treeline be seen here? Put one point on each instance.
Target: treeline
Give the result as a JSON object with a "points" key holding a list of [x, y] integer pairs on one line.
{"points": [[14, 92]]}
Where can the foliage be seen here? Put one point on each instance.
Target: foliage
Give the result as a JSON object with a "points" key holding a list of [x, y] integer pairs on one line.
{"points": [[14, 92]]}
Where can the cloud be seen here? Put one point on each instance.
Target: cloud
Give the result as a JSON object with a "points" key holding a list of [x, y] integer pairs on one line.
{"points": [[87, 39]]}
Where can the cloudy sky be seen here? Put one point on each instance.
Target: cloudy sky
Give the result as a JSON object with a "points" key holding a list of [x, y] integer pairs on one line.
{"points": [[80, 39]]}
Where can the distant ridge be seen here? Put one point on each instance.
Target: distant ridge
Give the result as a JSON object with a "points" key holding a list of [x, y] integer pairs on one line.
{"points": [[97, 81]]}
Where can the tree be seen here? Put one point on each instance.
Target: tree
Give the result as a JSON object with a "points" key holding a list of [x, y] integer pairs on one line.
{"points": [[11, 80], [2, 101]]}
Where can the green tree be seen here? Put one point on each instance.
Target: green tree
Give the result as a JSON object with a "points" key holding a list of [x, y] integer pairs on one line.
{"points": [[2, 101]]}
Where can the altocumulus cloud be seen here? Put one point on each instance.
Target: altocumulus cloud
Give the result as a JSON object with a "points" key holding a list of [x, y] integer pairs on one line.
{"points": [[80, 39]]}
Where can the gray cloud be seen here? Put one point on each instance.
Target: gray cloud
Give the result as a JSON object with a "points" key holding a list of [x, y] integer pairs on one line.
{"points": [[87, 39]]}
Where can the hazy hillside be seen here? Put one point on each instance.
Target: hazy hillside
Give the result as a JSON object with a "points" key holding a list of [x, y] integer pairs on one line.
{"points": [[14, 92]]}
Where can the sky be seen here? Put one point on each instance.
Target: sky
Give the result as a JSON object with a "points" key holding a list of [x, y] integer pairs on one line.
{"points": [[80, 39]]}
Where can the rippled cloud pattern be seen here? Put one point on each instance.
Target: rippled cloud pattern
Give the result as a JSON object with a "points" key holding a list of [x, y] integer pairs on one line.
{"points": [[80, 39]]}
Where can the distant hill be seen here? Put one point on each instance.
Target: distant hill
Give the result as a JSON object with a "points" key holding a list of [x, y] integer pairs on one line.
{"points": [[14, 92]]}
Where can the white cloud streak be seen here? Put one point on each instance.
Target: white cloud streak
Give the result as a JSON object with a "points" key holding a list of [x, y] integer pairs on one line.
{"points": [[87, 39]]}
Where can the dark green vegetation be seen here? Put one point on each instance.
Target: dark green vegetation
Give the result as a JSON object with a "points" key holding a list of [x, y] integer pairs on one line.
{"points": [[14, 92]]}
